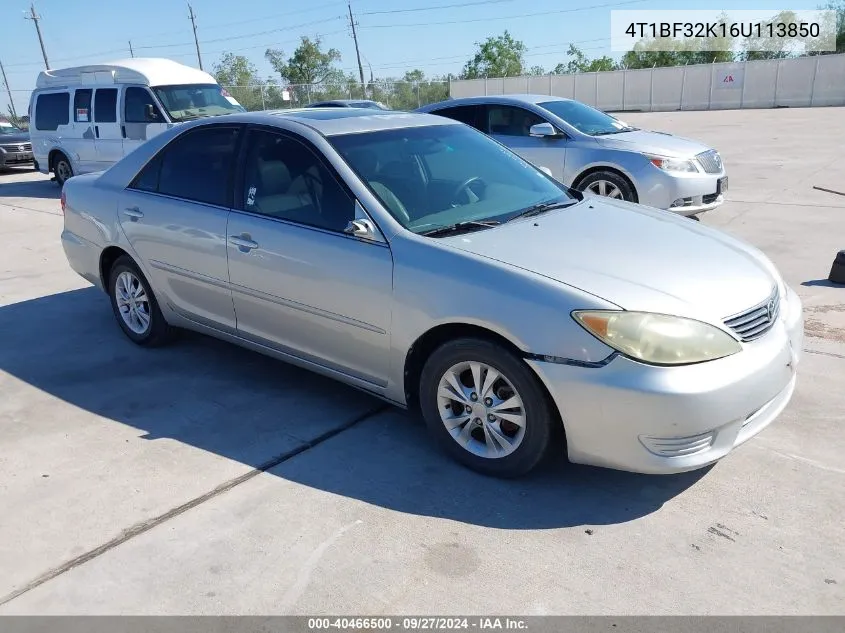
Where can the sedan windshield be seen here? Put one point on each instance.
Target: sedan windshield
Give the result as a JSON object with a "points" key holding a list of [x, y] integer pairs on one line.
{"points": [[194, 101], [586, 119], [8, 128], [446, 175]]}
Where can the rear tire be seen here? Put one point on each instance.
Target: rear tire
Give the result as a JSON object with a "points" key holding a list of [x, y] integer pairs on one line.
{"points": [[62, 169], [608, 184], [135, 306], [498, 424]]}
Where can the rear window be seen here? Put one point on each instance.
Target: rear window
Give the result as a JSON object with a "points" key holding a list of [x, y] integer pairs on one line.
{"points": [[52, 110]]}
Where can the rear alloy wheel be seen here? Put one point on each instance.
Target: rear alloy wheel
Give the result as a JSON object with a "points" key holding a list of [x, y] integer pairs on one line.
{"points": [[62, 169], [134, 305], [609, 185], [486, 407]]}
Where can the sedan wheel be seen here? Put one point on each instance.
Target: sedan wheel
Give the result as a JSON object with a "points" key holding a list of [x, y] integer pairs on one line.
{"points": [[608, 184], [605, 188], [486, 407], [135, 306]]}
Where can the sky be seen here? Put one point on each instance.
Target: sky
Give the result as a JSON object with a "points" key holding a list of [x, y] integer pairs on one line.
{"points": [[436, 36]]}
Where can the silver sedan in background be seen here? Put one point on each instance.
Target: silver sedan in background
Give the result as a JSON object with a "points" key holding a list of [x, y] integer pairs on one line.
{"points": [[419, 260], [592, 151]]}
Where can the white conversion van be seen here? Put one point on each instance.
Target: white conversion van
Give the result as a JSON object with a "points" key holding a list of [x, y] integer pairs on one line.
{"points": [[86, 118]]}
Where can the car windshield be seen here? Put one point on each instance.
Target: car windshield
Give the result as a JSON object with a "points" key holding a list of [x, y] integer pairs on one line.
{"points": [[195, 101], [586, 119], [441, 175], [8, 128]]}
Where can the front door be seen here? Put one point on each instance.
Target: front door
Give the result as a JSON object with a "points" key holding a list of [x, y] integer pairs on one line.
{"points": [[174, 215], [142, 117], [299, 283], [510, 126], [108, 139]]}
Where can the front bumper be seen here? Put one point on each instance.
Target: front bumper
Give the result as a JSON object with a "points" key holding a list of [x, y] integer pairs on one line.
{"points": [[684, 194], [10, 159], [636, 417]]}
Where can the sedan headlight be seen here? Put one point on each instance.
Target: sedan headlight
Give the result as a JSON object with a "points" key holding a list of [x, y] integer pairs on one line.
{"points": [[673, 164], [658, 339]]}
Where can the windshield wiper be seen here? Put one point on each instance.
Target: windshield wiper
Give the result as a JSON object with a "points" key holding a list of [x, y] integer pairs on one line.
{"points": [[460, 226], [537, 209]]}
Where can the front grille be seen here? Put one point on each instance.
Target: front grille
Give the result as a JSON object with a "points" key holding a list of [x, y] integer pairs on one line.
{"points": [[711, 161], [754, 323], [17, 147]]}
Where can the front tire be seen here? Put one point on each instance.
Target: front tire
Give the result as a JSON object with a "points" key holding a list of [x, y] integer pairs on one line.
{"points": [[62, 169], [608, 184], [486, 407], [135, 306]]}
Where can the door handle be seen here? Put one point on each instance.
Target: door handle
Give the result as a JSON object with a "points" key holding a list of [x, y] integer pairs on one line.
{"points": [[243, 243], [133, 212], [97, 130]]}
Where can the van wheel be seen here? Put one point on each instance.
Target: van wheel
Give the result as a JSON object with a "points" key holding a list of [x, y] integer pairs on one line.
{"points": [[62, 169]]}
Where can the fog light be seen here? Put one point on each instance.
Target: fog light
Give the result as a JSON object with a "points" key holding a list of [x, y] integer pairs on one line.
{"points": [[681, 202]]}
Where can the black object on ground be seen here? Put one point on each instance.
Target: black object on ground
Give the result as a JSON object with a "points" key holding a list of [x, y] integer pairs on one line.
{"points": [[837, 271]]}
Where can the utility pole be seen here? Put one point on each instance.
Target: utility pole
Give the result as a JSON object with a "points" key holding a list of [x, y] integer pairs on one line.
{"points": [[357, 52], [8, 90], [131, 52], [196, 41], [35, 17]]}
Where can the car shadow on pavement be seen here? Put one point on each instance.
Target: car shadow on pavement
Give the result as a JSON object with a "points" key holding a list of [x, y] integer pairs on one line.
{"points": [[825, 283], [253, 409], [43, 189]]}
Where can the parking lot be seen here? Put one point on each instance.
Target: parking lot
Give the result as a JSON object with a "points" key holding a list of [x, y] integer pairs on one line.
{"points": [[205, 479]]}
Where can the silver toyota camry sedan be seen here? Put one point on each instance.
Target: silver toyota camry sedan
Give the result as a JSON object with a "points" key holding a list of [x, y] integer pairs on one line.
{"points": [[593, 151], [418, 259]]}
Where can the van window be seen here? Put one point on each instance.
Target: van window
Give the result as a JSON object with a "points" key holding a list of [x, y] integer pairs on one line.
{"points": [[52, 110], [135, 106], [105, 105], [82, 106]]}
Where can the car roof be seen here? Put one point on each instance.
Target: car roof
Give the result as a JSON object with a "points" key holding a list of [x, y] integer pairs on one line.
{"points": [[333, 121], [509, 98]]}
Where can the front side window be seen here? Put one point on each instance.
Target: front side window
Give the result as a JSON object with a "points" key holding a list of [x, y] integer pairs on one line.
{"points": [[140, 107], [196, 166], [440, 175], [52, 110], [105, 105], [195, 101], [511, 120], [464, 114], [284, 179], [586, 119]]}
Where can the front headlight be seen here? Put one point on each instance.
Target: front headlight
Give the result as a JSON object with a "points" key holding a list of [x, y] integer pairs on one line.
{"points": [[658, 339], [673, 164]]}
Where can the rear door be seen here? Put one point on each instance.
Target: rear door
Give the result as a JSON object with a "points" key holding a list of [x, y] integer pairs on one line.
{"points": [[174, 215], [108, 140]]}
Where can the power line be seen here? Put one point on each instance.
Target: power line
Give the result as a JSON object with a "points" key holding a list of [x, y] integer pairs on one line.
{"points": [[435, 8], [504, 17], [36, 18]]}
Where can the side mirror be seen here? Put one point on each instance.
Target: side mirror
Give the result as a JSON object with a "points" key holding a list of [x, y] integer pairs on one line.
{"points": [[543, 129], [363, 229], [150, 112], [545, 170]]}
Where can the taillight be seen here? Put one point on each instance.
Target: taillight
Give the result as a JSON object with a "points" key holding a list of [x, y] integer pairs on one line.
{"points": [[64, 201]]}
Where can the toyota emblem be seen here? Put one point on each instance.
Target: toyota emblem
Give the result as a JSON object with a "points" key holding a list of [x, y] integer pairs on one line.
{"points": [[21, 148]]}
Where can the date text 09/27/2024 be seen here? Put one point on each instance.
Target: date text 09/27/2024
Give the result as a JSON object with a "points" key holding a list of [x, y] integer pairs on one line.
{"points": [[415, 623], [721, 29]]}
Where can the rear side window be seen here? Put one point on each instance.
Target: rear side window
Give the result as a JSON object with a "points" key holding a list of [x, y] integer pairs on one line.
{"points": [[52, 110], [105, 105], [196, 166], [82, 106], [464, 114]]}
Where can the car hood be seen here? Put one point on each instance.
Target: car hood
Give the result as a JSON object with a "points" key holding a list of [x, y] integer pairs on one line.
{"points": [[633, 256], [653, 143], [9, 139]]}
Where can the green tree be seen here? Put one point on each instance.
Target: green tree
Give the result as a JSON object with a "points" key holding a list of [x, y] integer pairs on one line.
{"points": [[580, 63], [240, 77], [308, 65], [501, 56], [838, 6], [754, 48], [536, 70]]}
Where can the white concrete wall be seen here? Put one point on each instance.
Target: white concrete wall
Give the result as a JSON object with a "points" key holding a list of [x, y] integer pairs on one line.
{"points": [[799, 82]]}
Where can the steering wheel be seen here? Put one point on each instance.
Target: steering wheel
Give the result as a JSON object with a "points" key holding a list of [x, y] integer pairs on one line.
{"points": [[466, 186]]}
